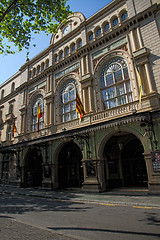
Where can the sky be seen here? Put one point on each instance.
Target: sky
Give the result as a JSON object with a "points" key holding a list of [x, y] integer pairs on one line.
{"points": [[10, 64]]}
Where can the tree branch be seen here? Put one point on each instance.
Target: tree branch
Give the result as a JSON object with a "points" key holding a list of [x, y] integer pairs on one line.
{"points": [[9, 9]]}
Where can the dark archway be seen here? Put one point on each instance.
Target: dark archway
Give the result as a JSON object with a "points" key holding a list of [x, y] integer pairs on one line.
{"points": [[70, 172], [133, 165], [33, 168], [125, 164]]}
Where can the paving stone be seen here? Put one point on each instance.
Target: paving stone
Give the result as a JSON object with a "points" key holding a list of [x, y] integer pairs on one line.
{"points": [[13, 230]]}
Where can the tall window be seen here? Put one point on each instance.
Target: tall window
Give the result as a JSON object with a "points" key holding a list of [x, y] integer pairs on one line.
{"points": [[34, 123], [98, 32], [124, 16], [90, 36], [68, 102], [115, 84], [9, 132], [106, 27], [115, 22]]}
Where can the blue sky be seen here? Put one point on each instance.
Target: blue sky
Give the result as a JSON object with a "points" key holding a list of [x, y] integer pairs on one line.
{"points": [[10, 64]]}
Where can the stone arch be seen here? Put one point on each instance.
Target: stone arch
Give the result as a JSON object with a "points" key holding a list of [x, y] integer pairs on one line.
{"points": [[121, 140], [126, 129], [68, 158]]}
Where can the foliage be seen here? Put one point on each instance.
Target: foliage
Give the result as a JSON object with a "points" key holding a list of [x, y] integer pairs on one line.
{"points": [[19, 19]]}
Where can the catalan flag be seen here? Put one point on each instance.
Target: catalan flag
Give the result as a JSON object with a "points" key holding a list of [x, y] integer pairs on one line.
{"points": [[14, 129], [140, 81], [79, 106], [39, 115]]}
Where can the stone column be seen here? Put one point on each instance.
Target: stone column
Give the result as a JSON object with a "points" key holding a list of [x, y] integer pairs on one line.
{"points": [[148, 77]]}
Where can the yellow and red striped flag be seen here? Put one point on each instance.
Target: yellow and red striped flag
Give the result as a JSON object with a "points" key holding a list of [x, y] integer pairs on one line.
{"points": [[14, 129], [39, 115], [79, 106]]}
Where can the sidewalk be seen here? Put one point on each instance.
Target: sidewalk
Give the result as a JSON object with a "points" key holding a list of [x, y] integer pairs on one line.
{"points": [[123, 197]]}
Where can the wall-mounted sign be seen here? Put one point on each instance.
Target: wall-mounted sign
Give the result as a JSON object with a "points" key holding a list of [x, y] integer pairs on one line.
{"points": [[155, 156]]}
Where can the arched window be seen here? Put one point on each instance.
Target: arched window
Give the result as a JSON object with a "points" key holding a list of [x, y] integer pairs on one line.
{"points": [[115, 22], [2, 94], [9, 132], [90, 36], [73, 47], [68, 102], [34, 123], [115, 84], [34, 72], [61, 54], [13, 87], [106, 27], [124, 16], [38, 69], [67, 51], [56, 58], [10, 110], [43, 66], [98, 32], [47, 63], [79, 43]]}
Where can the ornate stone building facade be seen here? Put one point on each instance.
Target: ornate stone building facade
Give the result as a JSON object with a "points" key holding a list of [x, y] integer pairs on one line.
{"points": [[117, 142]]}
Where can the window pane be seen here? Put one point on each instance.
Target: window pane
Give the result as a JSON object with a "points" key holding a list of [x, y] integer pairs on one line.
{"points": [[104, 95], [111, 92], [65, 97], [72, 95], [121, 100], [98, 32], [73, 47], [105, 105], [62, 110], [128, 87], [112, 103], [109, 79], [61, 55], [118, 76], [102, 81], [91, 37], [120, 90], [115, 22], [72, 106], [73, 115], [66, 108], [126, 75], [66, 117], [67, 51], [106, 27], [129, 97], [124, 16], [80, 43]]}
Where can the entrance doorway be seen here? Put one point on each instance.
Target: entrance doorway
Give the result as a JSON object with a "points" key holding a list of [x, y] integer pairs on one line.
{"points": [[70, 173], [125, 164], [133, 165], [33, 168]]}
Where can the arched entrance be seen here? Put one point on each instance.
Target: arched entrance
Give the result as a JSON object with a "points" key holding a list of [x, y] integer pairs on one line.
{"points": [[33, 168], [70, 172], [125, 164]]}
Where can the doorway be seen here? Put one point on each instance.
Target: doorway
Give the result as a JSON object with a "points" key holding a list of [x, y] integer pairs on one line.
{"points": [[125, 164], [70, 173], [33, 168]]}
